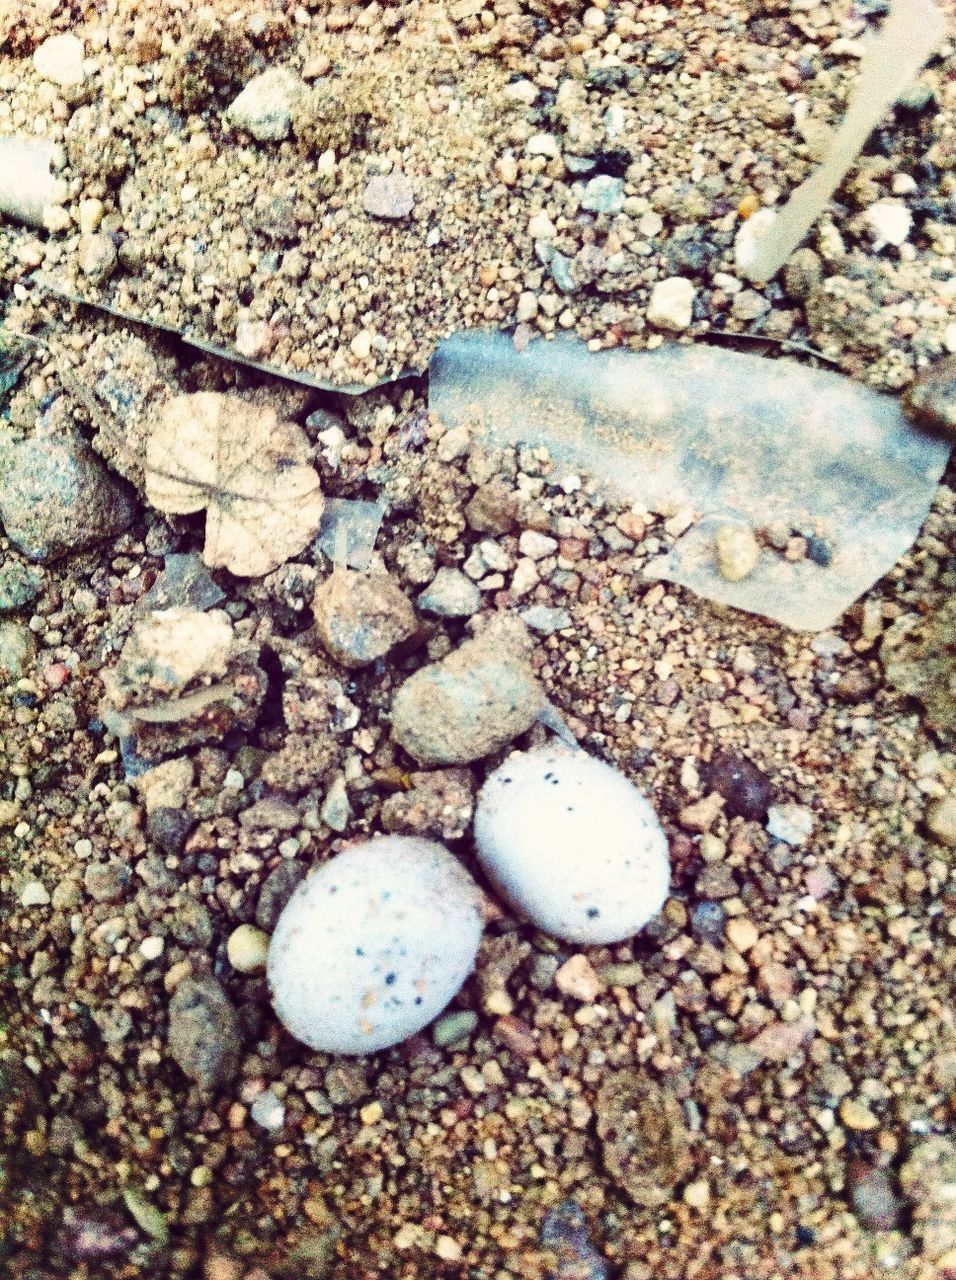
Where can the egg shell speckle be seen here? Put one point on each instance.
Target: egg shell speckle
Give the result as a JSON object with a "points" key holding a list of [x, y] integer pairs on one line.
{"points": [[374, 944], [572, 845]]}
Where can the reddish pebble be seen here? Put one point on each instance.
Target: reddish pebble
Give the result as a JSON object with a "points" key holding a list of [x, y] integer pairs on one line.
{"points": [[517, 1036], [820, 881], [56, 675]]}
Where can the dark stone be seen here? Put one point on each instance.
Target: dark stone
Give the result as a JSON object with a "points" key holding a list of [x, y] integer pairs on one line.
{"points": [[277, 888], [747, 791], [565, 1233], [614, 161], [609, 79], [819, 551], [204, 1033], [707, 922], [57, 497], [169, 829]]}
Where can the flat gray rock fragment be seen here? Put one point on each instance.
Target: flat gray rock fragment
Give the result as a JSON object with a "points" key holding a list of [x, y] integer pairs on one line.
{"points": [[730, 437]]}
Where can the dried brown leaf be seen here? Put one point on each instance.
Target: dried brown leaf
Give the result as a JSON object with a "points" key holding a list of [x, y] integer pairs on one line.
{"points": [[249, 471]]}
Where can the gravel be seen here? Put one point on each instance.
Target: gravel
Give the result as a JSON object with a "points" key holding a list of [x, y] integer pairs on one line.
{"points": [[427, 1158]]}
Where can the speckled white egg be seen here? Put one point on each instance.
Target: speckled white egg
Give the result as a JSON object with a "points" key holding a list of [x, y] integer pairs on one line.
{"points": [[374, 944], [572, 845]]}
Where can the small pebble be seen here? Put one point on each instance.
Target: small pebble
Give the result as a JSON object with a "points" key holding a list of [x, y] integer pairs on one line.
{"points": [[564, 1233], [454, 1027], [941, 819], [450, 595], [857, 1115], [97, 256], [34, 895], [544, 620], [152, 948], [371, 1113], [536, 545], [268, 1111], [742, 934], [17, 651], [577, 978], [672, 304], [791, 823], [60, 60], [473, 702], [746, 790], [737, 552], [19, 584], [247, 949], [890, 221], [389, 196], [264, 107], [203, 1035], [359, 617], [603, 194], [448, 1249], [874, 1199], [336, 810]]}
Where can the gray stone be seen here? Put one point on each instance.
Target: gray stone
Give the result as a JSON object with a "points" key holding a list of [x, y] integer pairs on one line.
{"points": [[185, 581], [204, 1033], [603, 194], [389, 196], [264, 107], [277, 888], [451, 595], [106, 881], [57, 497], [472, 703], [544, 620], [564, 1232], [17, 649], [558, 265], [455, 1026], [97, 256], [19, 584]]}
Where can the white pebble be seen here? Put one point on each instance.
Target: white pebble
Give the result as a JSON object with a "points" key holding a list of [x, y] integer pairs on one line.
{"points": [[268, 1111], [34, 895], [151, 948], [572, 845], [541, 227], [672, 304], [791, 823], [374, 944], [890, 221], [60, 59], [247, 949]]}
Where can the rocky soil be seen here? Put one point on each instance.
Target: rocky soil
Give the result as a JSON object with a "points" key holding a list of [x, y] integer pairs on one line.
{"points": [[759, 1084]]}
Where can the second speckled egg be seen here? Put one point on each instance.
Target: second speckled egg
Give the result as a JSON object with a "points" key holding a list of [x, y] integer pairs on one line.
{"points": [[572, 845]]}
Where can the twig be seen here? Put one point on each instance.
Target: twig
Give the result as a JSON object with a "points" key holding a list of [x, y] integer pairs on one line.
{"points": [[785, 344]]}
